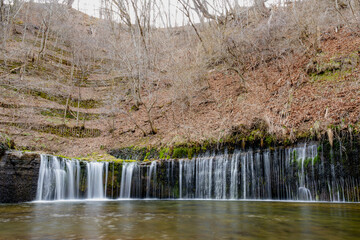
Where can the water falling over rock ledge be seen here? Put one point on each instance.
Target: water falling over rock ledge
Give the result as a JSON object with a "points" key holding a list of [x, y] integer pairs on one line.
{"points": [[306, 172]]}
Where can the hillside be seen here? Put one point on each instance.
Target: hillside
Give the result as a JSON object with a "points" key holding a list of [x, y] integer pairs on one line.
{"points": [[76, 95]]}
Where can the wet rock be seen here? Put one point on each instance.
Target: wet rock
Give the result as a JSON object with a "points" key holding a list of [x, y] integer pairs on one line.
{"points": [[18, 176]]}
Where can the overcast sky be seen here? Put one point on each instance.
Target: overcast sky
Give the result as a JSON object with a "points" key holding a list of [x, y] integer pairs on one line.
{"points": [[176, 18], [92, 7]]}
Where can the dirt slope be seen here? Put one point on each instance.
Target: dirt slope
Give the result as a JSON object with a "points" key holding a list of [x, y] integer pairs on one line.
{"points": [[293, 96]]}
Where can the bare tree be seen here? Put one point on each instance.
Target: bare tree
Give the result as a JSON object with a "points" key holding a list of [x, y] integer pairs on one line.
{"points": [[261, 8], [2, 10], [69, 3], [47, 21], [137, 16]]}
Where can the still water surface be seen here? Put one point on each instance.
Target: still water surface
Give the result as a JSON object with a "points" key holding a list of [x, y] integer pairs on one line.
{"points": [[179, 220]]}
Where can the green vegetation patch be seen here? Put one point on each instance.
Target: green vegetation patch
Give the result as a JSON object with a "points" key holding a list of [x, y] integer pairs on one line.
{"points": [[181, 150], [54, 112], [187, 150], [329, 76], [99, 83], [6, 105], [6, 143], [58, 59], [133, 152], [59, 130], [334, 69], [307, 161], [97, 157], [87, 104]]}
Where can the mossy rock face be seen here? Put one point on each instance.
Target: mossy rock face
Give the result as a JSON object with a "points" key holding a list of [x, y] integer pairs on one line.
{"points": [[164, 153], [240, 138], [137, 153], [3, 148], [152, 153], [186, 151], [343, 154], [180, 152], [6, 143]]}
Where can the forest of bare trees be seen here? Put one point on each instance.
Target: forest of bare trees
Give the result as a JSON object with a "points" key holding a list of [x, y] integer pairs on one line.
{"points": [[154, 46]]}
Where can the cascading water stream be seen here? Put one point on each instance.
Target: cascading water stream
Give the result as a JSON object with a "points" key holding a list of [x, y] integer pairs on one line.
{"points": [[304, 192], [149, 178], [54, 181], [60, 179], [126, 179], [95, 180], [234, 175], [180, 177], [299, 173], [78, 171]]}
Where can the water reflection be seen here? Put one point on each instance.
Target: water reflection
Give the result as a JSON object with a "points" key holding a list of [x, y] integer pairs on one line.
{"points": [[179, 220]]}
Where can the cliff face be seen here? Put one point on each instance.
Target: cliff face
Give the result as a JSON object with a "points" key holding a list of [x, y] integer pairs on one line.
{"points": [[18, 176]]}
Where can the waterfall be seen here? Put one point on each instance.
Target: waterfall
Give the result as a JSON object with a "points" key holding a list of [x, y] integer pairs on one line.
{"points": [[78, 169], [70, 165], [57, 179], [42, 173], [60, 179], [204, 177], [126, 180], [106, 176], [282, 174], [234, 182], [304, 192], [244, 181], [95, 180], [180, 178], [298, 173], [112, 180], [220, 169], [149, 178]]}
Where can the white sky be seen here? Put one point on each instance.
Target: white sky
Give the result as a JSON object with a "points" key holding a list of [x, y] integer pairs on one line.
{"points": [[92, 7]]}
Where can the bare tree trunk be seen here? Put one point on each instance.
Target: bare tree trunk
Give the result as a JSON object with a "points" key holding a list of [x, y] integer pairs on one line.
{"points": [[2, 11], [70, 3], [148, 112], [84, 120], [186, 12], [134, 122], [261, 8], [44, 36], [78, 106], [67, 108]]}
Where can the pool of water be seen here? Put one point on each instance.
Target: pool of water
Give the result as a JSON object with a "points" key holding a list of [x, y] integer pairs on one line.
{"points": [[149, 219]]}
